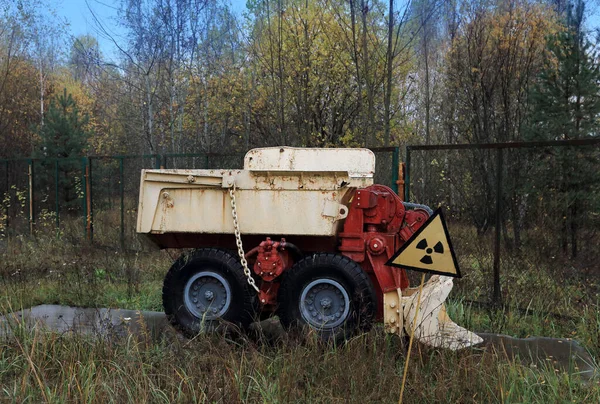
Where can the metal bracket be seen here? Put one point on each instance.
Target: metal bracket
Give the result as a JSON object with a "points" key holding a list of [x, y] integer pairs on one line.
{"points": [[335, 210], [393, 314]]}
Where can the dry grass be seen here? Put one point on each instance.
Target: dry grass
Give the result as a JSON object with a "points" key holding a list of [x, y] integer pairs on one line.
{"points": [[38, 366]]}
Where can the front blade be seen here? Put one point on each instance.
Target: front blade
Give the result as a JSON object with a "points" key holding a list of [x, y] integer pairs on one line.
{"points": [[433, 326]]}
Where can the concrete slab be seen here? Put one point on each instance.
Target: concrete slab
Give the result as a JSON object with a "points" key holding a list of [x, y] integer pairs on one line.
{"points": [[95, 322], [564, 355]]}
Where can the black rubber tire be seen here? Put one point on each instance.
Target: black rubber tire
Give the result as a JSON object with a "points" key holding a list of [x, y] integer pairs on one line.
{"points": [[335, 267], [244, 301]]}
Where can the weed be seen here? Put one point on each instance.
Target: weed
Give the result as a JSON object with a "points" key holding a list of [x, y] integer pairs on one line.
{"points": [[541, 296]]}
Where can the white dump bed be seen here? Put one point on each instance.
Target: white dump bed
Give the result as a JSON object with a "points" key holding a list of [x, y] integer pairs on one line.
{"points": [[280, 191]]}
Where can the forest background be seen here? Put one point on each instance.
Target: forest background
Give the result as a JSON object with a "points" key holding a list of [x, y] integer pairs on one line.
{"points": [[197, 77], [191, 76]]}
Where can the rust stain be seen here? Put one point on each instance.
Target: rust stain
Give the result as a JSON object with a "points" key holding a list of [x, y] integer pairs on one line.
{"points": [[224, 208]]}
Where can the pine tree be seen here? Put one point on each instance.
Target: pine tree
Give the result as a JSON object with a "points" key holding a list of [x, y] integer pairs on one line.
{"points": [[565, 104], [566, 100], [64, 135]]}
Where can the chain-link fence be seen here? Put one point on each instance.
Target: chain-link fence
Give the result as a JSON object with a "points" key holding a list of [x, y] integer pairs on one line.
{"points": [[95, 198], [524, 218]]}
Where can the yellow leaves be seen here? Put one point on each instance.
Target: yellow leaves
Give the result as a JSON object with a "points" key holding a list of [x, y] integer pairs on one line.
{"points": [[504, 39], [85, 103], [19, 105]]}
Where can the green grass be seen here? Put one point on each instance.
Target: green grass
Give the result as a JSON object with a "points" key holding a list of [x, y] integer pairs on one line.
{"points": [[38, 366], [51, 270], [72, 292]]}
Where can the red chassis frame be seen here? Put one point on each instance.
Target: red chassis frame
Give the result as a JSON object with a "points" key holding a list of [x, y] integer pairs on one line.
{"points": [[376, 226]]}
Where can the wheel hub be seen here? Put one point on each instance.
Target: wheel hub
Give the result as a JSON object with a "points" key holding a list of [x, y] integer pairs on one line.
{"points": [[207, 295], [324, 303]]}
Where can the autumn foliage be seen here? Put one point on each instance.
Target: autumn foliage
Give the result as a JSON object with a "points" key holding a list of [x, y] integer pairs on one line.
{"points": [[194, 76]]}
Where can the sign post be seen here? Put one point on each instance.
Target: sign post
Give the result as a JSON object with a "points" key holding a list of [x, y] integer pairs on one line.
{"points": [[429, 250]]}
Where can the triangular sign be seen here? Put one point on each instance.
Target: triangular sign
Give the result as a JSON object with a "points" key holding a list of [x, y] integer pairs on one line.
{"points": [[429, 249]]}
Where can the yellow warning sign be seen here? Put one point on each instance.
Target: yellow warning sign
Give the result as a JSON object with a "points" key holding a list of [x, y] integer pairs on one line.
{"points": [[429, 249]]}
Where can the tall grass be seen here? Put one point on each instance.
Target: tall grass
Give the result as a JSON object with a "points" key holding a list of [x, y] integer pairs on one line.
{"points": [[50, 269], [542, 296], [41, 366]]}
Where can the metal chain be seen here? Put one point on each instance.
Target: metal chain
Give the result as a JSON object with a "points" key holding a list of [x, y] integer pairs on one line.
{"points": [[238, 239]]}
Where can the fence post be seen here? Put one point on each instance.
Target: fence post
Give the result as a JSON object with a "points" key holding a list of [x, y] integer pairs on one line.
{"points": [[89, 225], [31, 196], [407, 176], [164, 162], [122, 196], [7, 196], [395, 168], [56, 194], [157, 161], [497, 297], [84, 196], [401, 182]]}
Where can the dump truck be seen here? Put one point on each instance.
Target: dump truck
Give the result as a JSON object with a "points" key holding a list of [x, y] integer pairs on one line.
{"points": [[303, 234]]}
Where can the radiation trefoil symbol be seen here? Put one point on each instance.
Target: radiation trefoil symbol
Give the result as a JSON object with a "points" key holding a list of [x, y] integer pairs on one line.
{"points": [[429, 249], [438, 249]]}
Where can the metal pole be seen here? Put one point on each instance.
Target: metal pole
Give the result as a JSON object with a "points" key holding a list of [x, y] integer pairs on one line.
{"points": [[56, 194], [401, 182], [395, 168], [497, 297], [412, 338], [110, 187], [122, 195], [164, 162], [84, 190], [7, 196], [407, 176], [89, 223], [31, 197], [157, 161]]}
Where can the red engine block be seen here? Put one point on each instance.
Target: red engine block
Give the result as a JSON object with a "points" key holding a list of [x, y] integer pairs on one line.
{"points": [[376, 226]]}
